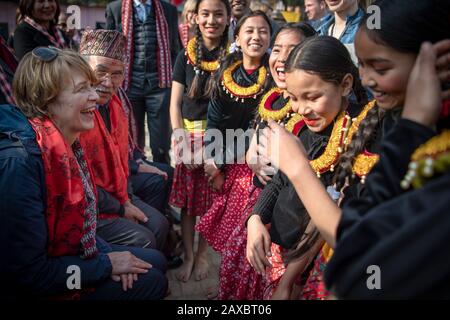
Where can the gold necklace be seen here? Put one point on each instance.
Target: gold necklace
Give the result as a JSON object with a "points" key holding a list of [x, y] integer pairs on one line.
{"points": [[431, 158], [295, 123], [364, 163], [236, 91], [334, 146], [265, 106], [208, 66]]}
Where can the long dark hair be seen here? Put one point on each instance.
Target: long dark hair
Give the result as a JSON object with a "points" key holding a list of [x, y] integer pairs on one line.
{"points": [[404, 27], [196, 89], [237, 54], [26, 9], [303, 28], [327, 58]]}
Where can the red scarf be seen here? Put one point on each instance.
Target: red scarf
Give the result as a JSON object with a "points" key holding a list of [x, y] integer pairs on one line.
{"points": [[71, 220], [183, 30], [107, 153], [57, 40], [132, 126], [164, 61]]}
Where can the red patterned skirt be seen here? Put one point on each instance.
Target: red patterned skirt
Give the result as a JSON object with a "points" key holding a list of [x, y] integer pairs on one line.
{"points": [[238, 280], [315, 288], [190, 188], [225, 213], [274, 273]]}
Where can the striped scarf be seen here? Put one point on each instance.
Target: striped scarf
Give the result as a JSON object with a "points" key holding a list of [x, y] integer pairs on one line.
{"points": [[5, 86], [164, 61], [57, 40], [132, 132], [8, 58]]}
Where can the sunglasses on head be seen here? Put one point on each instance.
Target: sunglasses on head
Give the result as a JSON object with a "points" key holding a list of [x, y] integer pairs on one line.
{"points": [[46, 54]]}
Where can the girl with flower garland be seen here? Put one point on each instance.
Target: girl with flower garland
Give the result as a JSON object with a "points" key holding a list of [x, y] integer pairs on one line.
{"points": [[191, 88], [239, 84], [238, 280], [320, 76], [383, 209]]}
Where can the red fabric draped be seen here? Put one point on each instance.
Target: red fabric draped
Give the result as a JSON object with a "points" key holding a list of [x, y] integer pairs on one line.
{"points": [[66, 198], [107, 153]]}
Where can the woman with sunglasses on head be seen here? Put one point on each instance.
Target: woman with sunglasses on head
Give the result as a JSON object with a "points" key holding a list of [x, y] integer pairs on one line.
{"points": [[38, 27], [48, 203]]}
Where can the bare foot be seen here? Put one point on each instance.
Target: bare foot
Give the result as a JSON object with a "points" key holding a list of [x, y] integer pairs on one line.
{"points": [[184, 272], [201, 267], [212, 293]]}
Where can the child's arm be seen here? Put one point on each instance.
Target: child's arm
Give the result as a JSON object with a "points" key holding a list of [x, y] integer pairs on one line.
{"points": [[176, 98]]}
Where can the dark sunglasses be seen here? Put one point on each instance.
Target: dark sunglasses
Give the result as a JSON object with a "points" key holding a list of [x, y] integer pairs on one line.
{"points": [[46, 54]]}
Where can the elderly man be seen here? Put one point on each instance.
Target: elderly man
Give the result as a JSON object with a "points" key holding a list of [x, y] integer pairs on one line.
{"points": [[316, 11], [124, 218]]}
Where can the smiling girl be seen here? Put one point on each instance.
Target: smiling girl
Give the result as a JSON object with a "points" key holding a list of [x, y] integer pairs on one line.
{"points": [[386, 59], [320, 76], [240, 82], [238, 280], [192, 84]]}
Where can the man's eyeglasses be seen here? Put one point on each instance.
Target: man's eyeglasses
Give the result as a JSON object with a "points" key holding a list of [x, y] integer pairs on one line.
{"points": [[114, 76], [46, 54]]}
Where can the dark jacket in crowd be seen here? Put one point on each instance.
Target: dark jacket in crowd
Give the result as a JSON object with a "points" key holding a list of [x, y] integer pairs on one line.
{"points": [[114, 22], [25, 267], [26, 38]]}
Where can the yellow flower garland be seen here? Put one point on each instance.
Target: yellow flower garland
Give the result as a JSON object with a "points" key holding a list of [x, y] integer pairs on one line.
{"points": [[275, 115], [430, 158], [334, 146], [238, 92], [290, 125], [363, 164], [209, 66]]}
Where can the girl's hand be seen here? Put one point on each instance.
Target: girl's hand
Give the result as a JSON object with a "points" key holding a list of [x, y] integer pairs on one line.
{"points": [[424, 95], [281, 148], [210, 168], [259, 167], [442, 49], [258, 244]]}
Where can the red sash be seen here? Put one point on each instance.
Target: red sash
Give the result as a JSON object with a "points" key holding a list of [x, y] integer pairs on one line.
{"points": [[107, 153], [66, 199]]}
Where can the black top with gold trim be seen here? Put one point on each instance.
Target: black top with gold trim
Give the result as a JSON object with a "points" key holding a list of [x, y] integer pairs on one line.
{"points": [[236, 106]]}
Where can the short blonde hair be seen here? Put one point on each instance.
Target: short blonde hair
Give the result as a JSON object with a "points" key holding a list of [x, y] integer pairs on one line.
{"points": [[189, 6], [37, 83]]}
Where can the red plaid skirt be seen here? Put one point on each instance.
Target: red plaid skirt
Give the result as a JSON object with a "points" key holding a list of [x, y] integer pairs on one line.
{"points": [[190, 190], [225, 213]]}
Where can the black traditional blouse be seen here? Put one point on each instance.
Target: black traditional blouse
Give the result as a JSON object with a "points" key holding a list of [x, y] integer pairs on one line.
{"points": [[228, 113], [403, 233]]}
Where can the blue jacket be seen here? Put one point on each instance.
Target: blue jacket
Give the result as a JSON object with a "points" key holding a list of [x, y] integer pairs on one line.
{"points": [[25, 268], [351, 26]]}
